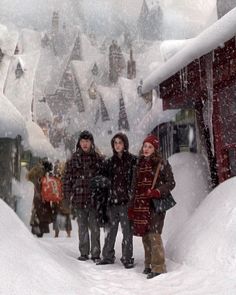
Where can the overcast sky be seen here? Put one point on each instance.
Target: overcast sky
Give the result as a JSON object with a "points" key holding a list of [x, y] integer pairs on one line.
{"points": [[37, 13]]}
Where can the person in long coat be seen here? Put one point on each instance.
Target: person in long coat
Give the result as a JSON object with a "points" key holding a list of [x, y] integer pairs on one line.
{"points": [[84, 165], [41, 214], [119, 170], [61, 210], [146, 222]]}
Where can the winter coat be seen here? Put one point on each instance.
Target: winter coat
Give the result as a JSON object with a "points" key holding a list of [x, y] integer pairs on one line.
{"points": [[146, 220], [79, 170], [119, 170], [41, 211], [120, 173], [100, 187]]}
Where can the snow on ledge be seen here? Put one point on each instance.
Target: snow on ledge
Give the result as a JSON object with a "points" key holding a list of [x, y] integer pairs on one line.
{"points": [[221, 31], [38, 143], [12, 122]]}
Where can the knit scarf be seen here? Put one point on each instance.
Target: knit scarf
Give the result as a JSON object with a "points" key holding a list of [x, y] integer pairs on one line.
{"points": [[144, 179]]}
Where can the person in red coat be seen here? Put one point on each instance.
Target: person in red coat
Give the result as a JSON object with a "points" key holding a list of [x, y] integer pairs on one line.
{"points": [[146, 222]]}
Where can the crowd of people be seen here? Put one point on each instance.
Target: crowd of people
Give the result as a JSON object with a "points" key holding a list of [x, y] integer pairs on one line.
{"points": [[106, 192]]}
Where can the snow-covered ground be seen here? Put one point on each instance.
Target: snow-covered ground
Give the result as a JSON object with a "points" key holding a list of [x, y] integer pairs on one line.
{"points": [[200, 239]]}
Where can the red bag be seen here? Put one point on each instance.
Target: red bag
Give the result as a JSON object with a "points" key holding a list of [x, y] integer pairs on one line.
{"points": [[51, 189]]}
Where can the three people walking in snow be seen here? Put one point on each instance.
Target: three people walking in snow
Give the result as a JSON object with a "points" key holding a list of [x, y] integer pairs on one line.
{"points": [[118, 190]]}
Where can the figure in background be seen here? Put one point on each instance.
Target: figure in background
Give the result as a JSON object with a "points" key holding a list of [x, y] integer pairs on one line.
{"points": [[41, 215], [61, 210], [119, 170], [146, 222], [84, 164]]}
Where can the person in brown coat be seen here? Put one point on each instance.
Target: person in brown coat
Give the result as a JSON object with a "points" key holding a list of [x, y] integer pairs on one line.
{"points": [[146, 222], [41, 215]]}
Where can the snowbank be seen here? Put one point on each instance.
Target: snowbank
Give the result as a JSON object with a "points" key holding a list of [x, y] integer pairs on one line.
{"points": [[208, 239], [191, 176], [28, 268]]}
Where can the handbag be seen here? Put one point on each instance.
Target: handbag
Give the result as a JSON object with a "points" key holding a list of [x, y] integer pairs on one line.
{"points": [[162, 204]]}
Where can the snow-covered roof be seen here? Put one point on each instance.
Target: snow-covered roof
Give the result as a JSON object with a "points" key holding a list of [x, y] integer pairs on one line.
{"points": [[38, 143], [52, 67], [214, 36], [169, 48], [20, 91], [8, 40], [43, 111], [12, 122]]}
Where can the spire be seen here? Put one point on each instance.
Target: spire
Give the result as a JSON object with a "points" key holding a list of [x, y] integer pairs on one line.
{"points": [[78, 97], [104, 112], [123, 123], [55, 23]]}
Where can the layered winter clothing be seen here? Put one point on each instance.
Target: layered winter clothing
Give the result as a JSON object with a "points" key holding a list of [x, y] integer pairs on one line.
{"points": [[119, 170], [146, 222], [79, 171], [61, 210], [41, 215]]}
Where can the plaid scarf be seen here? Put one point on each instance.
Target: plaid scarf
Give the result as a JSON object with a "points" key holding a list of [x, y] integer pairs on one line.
{"points": [[144, 179]]}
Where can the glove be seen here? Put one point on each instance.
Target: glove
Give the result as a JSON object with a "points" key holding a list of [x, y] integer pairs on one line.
{"points": [[153, 194], [130, 213]]}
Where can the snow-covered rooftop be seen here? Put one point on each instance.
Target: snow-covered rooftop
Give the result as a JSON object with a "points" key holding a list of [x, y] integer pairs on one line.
{"points": [[169, 48], [214, 36], [12, 122], [8, 40], [38, 143]]}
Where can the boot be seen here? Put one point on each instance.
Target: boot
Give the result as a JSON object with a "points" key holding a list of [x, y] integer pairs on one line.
{"points": [[147, 270], [153, 275], [96, 259], [56, 233], [104, 262], [83, 257]]}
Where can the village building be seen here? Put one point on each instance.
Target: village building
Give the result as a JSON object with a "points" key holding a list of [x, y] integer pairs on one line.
{"points": [[18, 146], [201, 77]]}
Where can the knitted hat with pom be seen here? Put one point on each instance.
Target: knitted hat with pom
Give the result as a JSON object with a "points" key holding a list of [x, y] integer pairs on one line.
{"points": [[153, 140]]}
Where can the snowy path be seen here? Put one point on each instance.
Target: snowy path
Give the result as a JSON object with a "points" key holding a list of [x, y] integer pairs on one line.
{"points": [[114, 279]]}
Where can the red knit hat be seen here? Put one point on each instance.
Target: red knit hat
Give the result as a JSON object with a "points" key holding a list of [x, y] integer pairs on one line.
{"points": [[153, 140]]}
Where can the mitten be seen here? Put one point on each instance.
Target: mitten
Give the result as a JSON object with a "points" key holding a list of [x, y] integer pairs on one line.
{"points": [[130, 213], [153, 194]]}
